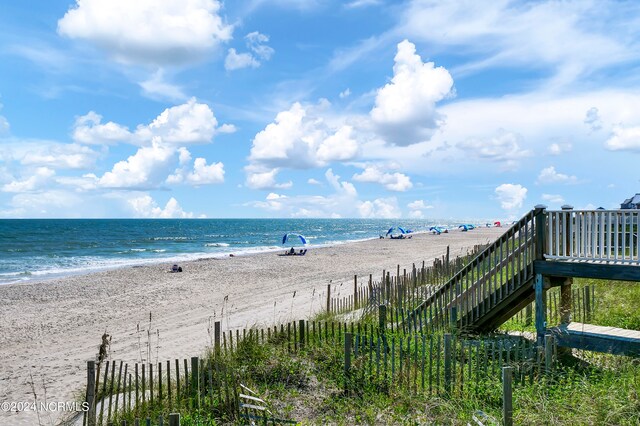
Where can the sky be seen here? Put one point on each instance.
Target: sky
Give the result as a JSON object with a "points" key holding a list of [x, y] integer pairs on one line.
{"points": [[317, 108]]}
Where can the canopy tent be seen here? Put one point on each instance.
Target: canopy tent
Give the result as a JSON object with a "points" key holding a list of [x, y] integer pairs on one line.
{"points": [[288, 237], [436, 230], [402, 231]]}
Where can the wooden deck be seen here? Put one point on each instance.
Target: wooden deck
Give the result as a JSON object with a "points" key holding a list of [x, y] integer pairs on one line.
{"points": [[598, 338]]}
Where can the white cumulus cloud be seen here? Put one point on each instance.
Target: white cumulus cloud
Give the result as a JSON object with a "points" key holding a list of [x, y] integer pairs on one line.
{"points": [[148, 32], [236, 61], [553, 198], [202, 174], [145, 206], [559, 148], [419, 205], [49, 154], [549, 175], [189, 123], [301, 138], [89, 129], [392, 181], [258, 52], [511, 196], [39, 178], [256, 42], [257, 179], [624, 138], [147, 168], [384, 208], [339, 146], [405, 108]]}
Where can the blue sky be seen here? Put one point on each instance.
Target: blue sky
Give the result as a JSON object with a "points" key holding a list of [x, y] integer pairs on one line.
{"points": [[317, 108]]}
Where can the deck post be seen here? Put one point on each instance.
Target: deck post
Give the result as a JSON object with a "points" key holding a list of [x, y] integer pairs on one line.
{"points": [[541, 309], [507, 396], [540, 214], [565, 286], [540, 291], [565, 300]]}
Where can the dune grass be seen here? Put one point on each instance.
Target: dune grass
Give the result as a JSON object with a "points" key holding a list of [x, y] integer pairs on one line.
{"points": [[308, 385]]}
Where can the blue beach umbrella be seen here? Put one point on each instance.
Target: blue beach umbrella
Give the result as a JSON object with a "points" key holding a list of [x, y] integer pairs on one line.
{"points": [[287, 237], [402, 231]]}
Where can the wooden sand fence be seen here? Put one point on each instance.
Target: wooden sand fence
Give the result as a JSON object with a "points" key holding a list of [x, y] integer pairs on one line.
{"points": [[447, 365]]}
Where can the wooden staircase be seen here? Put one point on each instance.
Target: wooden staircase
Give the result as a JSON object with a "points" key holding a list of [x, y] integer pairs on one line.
{"points": [[489, 290]]}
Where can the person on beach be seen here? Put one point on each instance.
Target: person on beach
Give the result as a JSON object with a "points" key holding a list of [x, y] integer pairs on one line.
{"points": [[292, 251]]}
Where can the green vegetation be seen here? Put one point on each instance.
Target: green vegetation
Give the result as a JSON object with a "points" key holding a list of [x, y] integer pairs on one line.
{"points": [[308, 382]]}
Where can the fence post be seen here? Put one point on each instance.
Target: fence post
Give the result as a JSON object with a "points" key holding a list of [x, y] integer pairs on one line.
{"points": [[507, 396], [355, 291], [91, 393], [548, 353], [216, 334], [347, 359], [382, 318], [329, 297], [174, 419], [195, 381], [447, 363], [301, 329]]}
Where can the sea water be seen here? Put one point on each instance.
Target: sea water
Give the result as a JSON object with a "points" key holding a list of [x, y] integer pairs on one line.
{"points": [[37, 249]]}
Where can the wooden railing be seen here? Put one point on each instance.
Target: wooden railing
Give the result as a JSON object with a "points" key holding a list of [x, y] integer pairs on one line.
{"points": [[609, 236], [495, 273]]}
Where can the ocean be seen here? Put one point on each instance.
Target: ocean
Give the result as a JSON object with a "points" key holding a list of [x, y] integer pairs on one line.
{"points": [[38, 249]]}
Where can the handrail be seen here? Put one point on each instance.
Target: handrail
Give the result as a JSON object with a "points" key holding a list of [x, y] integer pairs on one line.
{"points": [[482, 255], [608, 236], [462, 288], [495, 268]]}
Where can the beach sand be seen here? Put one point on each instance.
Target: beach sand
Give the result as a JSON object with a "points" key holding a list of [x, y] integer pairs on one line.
{"points": [[49, 330]]}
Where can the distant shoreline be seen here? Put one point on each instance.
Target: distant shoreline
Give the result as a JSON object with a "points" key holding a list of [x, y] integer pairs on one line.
{"points": [[45, 276]]}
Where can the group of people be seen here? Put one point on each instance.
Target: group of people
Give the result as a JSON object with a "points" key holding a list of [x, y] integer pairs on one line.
{"points": [[292, 252], [400, 237]]}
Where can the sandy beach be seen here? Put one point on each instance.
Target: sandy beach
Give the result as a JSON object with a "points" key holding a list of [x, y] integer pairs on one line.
{"points": [[50, 329]]}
